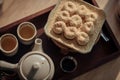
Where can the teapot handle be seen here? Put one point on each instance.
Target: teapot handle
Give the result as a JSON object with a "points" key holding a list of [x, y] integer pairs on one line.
{"points": [[6, 65]]}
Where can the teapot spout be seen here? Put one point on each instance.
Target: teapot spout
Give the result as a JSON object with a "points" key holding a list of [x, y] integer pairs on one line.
{"points": [[6, 65], [38, 45]]}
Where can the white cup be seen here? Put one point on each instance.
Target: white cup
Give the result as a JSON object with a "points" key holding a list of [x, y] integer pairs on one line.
{"points": [[9, 44], [26, 32]]}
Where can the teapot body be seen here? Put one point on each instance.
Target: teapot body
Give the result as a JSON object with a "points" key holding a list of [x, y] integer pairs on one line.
{"points": [[34, 65], [25, 75]]}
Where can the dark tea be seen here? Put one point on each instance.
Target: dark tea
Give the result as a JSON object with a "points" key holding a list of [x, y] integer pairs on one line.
{"points": [[8, 43], [26, 31]]}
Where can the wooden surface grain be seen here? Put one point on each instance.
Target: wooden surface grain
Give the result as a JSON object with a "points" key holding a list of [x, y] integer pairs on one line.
{"points": [[109, 71], [14, 10]]}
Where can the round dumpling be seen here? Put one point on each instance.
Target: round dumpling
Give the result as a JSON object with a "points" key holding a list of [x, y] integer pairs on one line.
{"points": [[88, 27], [91, 17], [58, 27], [75, 20], [82, 10], [82, 38], [63, 16], [70, 7], [69, 32]]}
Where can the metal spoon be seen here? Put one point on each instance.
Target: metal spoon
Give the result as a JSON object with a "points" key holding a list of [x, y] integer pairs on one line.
{"points": [[104, 36]]}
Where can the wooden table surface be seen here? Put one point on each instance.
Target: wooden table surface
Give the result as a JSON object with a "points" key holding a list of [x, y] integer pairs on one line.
{"points": [[14, 10], [108, 71]]}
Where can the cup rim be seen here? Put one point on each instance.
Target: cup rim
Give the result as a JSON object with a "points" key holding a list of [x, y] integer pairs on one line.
{"points": [[10, 51], [71, 58], [32, 25]]}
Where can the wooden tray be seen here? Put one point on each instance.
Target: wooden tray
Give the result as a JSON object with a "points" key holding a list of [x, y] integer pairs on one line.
{"points": [[101, 53]]}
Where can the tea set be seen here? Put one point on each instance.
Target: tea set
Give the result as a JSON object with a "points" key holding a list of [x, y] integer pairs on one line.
{"points": [[34, 65]]}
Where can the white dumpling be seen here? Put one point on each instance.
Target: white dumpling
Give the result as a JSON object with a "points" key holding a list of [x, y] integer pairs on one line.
{"points": [[82, 11], [63, 16], [58, 27], [69, 32], [88, 27], [82, 38], [91, 17], [70, 7], [76, 21]]}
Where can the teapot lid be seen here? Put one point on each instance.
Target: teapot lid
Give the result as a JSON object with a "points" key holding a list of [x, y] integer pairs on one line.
{"points": [[35, 67]]}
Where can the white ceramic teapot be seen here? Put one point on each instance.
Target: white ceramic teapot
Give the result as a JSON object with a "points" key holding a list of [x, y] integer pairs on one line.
{"points": [[34, 65]]}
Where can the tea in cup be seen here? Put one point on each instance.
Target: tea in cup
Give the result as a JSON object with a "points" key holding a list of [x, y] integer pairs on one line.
{"points": [[68, 64], [26, 32], [9, 44]]}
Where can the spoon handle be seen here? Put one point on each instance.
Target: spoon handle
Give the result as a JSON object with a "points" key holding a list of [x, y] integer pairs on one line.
{"points": [[104, 36]]}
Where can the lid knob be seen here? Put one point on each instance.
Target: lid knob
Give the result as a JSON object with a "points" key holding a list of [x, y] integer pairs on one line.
{"points": [[36, 66]]}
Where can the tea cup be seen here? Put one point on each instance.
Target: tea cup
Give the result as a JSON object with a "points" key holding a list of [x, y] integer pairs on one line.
{"points": [[9, 44], [26, 32]]}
